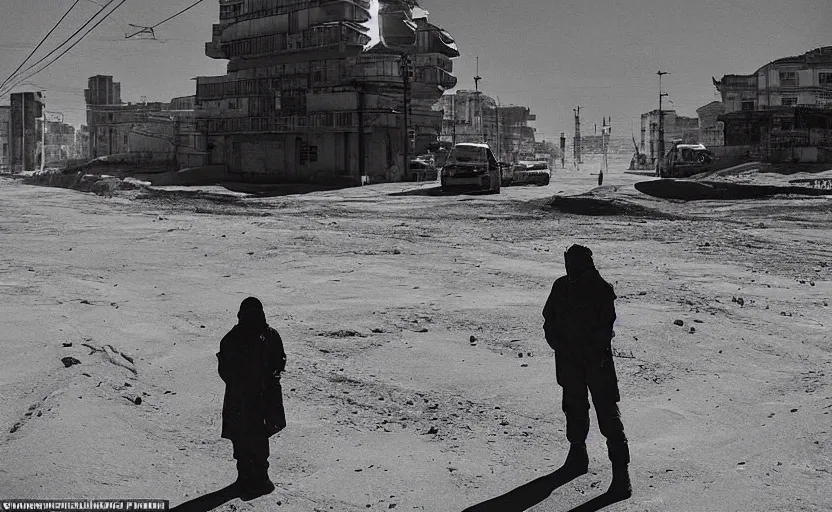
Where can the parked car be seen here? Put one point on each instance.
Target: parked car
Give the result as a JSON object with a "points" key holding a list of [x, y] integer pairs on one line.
{"points": [[536, 172], [683, 160], [472, 167]]}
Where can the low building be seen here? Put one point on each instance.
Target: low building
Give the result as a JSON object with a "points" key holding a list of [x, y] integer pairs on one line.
{"points": [[711, 129], [675, 127]]}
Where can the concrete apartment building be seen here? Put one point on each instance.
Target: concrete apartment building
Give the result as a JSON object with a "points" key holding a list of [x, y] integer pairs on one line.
{"points": [[24, 130], [471, 116], [315, 90], [676, 127], [783, 111], [153, 131]]}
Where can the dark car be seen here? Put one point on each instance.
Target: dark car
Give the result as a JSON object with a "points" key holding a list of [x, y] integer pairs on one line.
{"points": [[471, 167]]}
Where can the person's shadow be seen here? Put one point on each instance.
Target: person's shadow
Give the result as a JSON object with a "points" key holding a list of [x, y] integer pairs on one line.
{"points": [[534, 492], [209, 501]]}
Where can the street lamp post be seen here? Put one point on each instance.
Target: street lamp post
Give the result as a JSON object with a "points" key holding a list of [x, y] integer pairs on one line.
{"points": [[661, 115]]}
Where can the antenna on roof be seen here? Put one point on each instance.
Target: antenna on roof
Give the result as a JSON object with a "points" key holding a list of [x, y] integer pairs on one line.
{"points": [[477, 76]]}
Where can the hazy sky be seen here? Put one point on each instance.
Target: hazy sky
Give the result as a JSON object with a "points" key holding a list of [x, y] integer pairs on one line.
{"points": [[546, 54]]}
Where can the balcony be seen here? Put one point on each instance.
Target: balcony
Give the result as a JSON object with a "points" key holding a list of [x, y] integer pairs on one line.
{"points": [[214, 51], [439, 41], [437, 77]]}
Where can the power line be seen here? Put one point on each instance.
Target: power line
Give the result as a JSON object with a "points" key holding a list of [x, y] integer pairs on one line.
{"points": [[71, 46], [43, 39], [65, 41], [150, 28]]}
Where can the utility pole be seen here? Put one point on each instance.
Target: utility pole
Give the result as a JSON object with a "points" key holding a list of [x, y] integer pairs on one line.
{"points": [[453, 127], [661, 115], [577, 140], [499, 132], [406, 70], [477, 79]]}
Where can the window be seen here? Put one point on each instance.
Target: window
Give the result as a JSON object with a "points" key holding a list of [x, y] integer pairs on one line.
{"points": [[748, 105], [825, 78], [788, 78], [789, 101], [308, 153]]}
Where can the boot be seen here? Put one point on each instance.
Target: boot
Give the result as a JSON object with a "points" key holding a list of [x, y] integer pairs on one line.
{"points": [[577, 461], [620, 488], [257, 486]]}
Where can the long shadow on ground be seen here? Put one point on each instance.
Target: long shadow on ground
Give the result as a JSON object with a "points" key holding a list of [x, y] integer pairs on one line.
{"points": [[525, 496], [596, 503], [435, 191], [209, 501]]}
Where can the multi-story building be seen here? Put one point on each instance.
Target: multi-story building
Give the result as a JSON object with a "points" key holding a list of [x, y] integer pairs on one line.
{"points": [[711, 129], [471, 116], [82, 142], [320, 90], [804, 80], [675, 127], [24, 130], [109, 120], [60, 141], [5, 115], [783, 111]]}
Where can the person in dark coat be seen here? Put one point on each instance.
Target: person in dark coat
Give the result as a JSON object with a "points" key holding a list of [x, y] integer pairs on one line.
{"points": [[250, 361], [579, 316]]}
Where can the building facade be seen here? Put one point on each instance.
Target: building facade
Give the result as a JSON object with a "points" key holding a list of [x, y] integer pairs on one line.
{"points": [[319, 91], [675, 127], [471, 116], [711, 129], [783, 111], [24, 130], [804, 81], [5, 117]]}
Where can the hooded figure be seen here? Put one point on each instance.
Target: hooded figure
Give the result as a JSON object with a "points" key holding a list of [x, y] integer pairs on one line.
{"points": [[251, 359], [579, 316]]}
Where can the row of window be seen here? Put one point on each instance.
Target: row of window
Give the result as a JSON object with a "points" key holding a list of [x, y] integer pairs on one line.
{"points": [[311, 38], [283, 123], [329, 72], [263, 8]]}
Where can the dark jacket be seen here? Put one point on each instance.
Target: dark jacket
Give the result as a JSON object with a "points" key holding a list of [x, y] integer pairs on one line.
{"points": [[579, 314], [250, 362]]}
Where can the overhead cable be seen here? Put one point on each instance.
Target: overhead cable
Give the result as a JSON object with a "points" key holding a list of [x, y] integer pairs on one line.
{"points": [[43, 39]]}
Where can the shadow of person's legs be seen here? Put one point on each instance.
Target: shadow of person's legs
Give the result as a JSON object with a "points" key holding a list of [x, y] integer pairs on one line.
{"points": [[209, 501], [527, 495], [597, 503]]}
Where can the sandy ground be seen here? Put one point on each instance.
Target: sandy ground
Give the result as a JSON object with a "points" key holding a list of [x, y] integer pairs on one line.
{"points": [[377, 295]]}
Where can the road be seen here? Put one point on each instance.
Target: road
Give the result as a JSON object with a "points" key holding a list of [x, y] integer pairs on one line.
{"points": [[378, 292]]}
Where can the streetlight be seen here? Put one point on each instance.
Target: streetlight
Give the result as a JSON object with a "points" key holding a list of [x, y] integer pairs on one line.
{"points": [[661, 115]]}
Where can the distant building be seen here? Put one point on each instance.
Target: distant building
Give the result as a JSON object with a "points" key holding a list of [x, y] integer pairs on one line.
{"points": [[783, 111], [711, 130], [60, 142], [804, 80], [109, 120], [471, 116], [24, 130], [82, 142], [675, 127], [315, 91], [5, 116]]}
